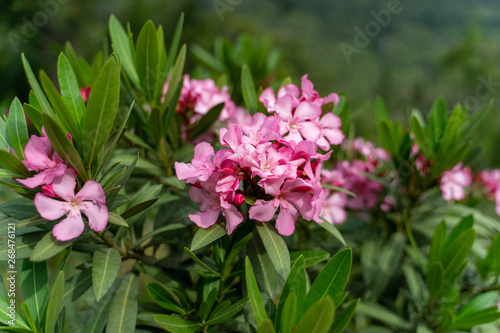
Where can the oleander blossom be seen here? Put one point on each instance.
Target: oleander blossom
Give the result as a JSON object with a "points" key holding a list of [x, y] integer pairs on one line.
{"points": [[40, 159], [271, 160], [489, 181], [454, 182], [90, 200]]}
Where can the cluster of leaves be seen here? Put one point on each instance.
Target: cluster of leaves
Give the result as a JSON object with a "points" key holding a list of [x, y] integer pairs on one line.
{"points": [[253, 280]]}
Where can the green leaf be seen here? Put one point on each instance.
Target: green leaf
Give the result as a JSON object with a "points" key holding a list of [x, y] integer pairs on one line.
{"points": [[75, 64], [380, 110], [105, 266], [63, 146], [434, 278], [199, 262], [166, 228], [225, 311], [267, 327], [248, 90], [455, 255], [75, 286], [311, 257], [44, 104], [18, 131], [34, 286], [266, 275], [117, 220], [437, 243], [318, 318], [97, 319], [204, 237], [20, 322], [176, 324], [339, 189], [477, 304], [123, 310], [24, 245], [332, 230], [386, 138], [484, 316], [175, 79], [276, 249], [10, 162], [174, 45], [148, 59], [237, 248], [296, 283], [473, 127], [254, 294], [288, 314], [417, 128], [161, 296], [55, 303], [206, 59], [48, 247], [206, 121], [70, 90], [122, 47], [382, 314], [4, 135], [33, 114], [331, 280], [388, 262], [342, 320], [60, 107], [101, 110]]}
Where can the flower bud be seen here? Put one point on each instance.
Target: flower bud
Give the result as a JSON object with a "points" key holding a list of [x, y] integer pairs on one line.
{"points": [[239, 199], [49, 191]]}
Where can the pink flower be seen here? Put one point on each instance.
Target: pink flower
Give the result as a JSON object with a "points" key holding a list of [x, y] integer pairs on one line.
{"points": [[333, 209], [330, 131], [90, 200], [292, 199], [454, 181], [200, 168], [38, 158], [85, 92]]}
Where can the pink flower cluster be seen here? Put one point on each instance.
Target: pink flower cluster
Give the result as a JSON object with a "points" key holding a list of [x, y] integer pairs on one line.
{"points": [[490, 181], [454, 182], [271, 159], [59, 181], [350, 175]]}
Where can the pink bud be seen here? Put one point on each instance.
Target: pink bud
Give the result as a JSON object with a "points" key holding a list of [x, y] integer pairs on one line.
{"points": [[49, 191], [239, 199], [85, 92]]}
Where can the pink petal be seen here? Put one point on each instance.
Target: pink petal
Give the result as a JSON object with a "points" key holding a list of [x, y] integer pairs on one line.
{"points": [[310, 130], [36, 180], [204, 198], [285, 222], [205, 219], [233, 218], [186, 171], [64, 186], [268, 98], [289, 89], [303, 202], [307, 111], [283, 107], [69, 228], [333, 97], [49, 208], [331, 121], [96, 213], [93, 191], [37, 152], [203, 151], [263, 211], [334, 135]]}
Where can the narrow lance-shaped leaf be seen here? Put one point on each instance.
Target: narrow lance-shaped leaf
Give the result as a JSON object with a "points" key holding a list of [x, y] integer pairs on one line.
{"points": [[4, 135], [175, 79], [342, 320], [122, 47], [176, 324], [12, 163], [101, 110], [48, 247], [204, 237], [276, 248], [18, 130], [34, 283], [248, 89], [148, 59], [44, 104], [123, 310], [105, 267], [70, 90], [55, 303], [318, 318], [254, 294]]}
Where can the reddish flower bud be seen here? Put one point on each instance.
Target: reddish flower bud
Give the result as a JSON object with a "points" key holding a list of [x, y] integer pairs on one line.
{"points": [[49, 191], [239, 199]]}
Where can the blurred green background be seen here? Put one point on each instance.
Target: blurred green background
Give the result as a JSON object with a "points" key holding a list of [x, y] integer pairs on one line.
{"points": [[416, 51]]}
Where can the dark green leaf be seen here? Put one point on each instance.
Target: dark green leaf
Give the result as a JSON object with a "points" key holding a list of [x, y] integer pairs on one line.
{"points": [[388, 262], [199, 262], [380, 110], [105, 266], [174, 45], [176, 324], [163, 297], [382, 314], [97, 319], [34, 286], [342, 320], [434, 278], [265, 273], [225, 311], [10, 162], [75, 64], [70, 90], [4, 135], [166, 228], [248, 89], [55, 303], [123, 49], [75, 286], [24, 245], [206, 121], [148, 59], [48, 247], [175, 79]]}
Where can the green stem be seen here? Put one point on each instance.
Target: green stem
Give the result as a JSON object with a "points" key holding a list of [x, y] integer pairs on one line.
{"points": [[112, 244], [164, 157]]}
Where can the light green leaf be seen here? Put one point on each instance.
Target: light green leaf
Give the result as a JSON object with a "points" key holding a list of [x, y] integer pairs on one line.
{"points": [[276, 249], [34, 115], [123, 310], [55, 303], [288, 314], [331, 280], [248, 89], [176, 324], [199, 262], [225, 311], [117, 220], [10, 162], [34, 286], [254, 294], [332, 230], [105, 266], [204, 237], [44, 104], [70, 90], [264, 271], [18, 131], [122, 47], [101, 110], [20, 322], [311, 257], [318, 318], [267, 327], [343, 318], [48, 247], [4, 135], [382, 314]]}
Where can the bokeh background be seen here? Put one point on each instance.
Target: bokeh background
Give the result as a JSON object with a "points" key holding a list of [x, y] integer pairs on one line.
{"points": [[422, 50]]}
